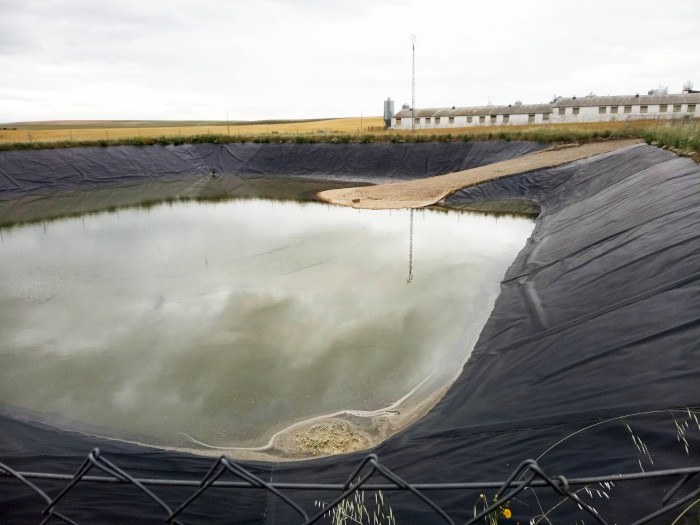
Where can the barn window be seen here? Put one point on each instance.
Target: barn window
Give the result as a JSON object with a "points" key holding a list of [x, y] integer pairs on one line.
{"points": [[451, 120], [602, 110], [576, 111], [437, 120], [562, 111], [417, 120], [545, 116], [676, 108], [398, 121], [643, 109], [691, 108], [531, 118], [469, 120], [628, 109], [493, 119], [613, 109], [482, 119], [506, 119], [663, 108]]}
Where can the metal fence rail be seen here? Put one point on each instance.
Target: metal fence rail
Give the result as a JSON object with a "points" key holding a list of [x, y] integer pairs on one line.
{"points": [[527, 475]]}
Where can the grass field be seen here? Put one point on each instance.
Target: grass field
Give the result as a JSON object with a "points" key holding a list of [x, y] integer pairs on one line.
{"points": [[680, 136]]}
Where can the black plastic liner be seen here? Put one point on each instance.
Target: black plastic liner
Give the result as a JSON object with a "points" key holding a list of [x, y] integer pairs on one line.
{"points": [[46, 184], [591, 346], [59, 170]]}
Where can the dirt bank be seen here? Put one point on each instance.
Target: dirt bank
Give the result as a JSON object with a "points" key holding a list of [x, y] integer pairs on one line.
{"points": [[424, 192]]}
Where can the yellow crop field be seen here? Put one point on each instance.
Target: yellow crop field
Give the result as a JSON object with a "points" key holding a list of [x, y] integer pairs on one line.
{"points": [[104, 130], [101, 130], [681, 137]]}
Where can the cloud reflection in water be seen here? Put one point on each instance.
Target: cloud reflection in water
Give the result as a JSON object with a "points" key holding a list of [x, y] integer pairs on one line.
{"points": [[227, 320]]}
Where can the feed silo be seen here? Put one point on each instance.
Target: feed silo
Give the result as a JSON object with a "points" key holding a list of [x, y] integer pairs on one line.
{"points": [[388, 111]]}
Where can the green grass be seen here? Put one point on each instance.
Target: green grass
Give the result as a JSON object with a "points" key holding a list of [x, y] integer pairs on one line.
{"points": [[674, 138]]}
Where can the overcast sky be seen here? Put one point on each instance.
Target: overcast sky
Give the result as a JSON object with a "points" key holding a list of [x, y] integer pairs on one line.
{"points": [[202, 59]]}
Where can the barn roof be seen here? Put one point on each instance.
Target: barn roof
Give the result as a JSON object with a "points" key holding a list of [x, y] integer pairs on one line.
{"points": [[628, 100], [511, 109]]}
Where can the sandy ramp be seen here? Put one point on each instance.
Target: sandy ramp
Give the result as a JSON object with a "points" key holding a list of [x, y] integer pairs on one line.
{"points": [[424, 192]]}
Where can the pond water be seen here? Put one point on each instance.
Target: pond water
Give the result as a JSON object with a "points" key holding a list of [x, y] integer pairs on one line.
{"points": [[219, 324]]}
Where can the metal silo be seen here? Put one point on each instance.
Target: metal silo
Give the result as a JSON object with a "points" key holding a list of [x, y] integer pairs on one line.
{"points": [[388, 111]]}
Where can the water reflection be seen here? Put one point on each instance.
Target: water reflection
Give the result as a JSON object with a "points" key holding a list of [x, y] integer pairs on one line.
{"points": [[410, 249], [228, 321]]}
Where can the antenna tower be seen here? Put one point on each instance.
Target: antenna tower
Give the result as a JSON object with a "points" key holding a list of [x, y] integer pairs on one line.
{"points": [[410, 250], [413, 86]]}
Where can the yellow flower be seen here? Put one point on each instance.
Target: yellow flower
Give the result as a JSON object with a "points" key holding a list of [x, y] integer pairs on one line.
{"points": [[507, 513]]}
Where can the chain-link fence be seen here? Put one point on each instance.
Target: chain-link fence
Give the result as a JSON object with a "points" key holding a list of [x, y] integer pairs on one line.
{"points": [[370, 475]]}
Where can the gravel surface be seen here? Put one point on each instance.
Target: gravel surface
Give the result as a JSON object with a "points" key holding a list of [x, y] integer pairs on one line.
{"points": [[431, 190]]}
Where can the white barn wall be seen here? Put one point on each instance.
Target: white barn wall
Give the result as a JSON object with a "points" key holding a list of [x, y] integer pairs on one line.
{"points": [[592, 114], [461, 122], [588, 111]]}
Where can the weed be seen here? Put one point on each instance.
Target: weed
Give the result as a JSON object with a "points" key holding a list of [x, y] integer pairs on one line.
{"points": [[354, 509], [602, 492], [502, 511], [684, 421]]}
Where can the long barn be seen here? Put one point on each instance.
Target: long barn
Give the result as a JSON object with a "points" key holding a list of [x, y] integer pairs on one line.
{"points": [[590, 108]]}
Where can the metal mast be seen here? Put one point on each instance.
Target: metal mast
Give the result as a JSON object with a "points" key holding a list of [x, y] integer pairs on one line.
{"points": [[410, 250], [413, 86]]}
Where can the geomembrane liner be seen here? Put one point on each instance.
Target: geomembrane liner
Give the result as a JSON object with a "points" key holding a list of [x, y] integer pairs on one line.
{"points": [[589, 364]]}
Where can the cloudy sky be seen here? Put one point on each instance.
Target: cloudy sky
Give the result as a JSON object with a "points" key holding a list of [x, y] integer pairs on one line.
{"points": [[204, 59]]}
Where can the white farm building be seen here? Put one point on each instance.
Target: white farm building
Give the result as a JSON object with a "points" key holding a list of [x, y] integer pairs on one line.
{"points": [[658, 104]]}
